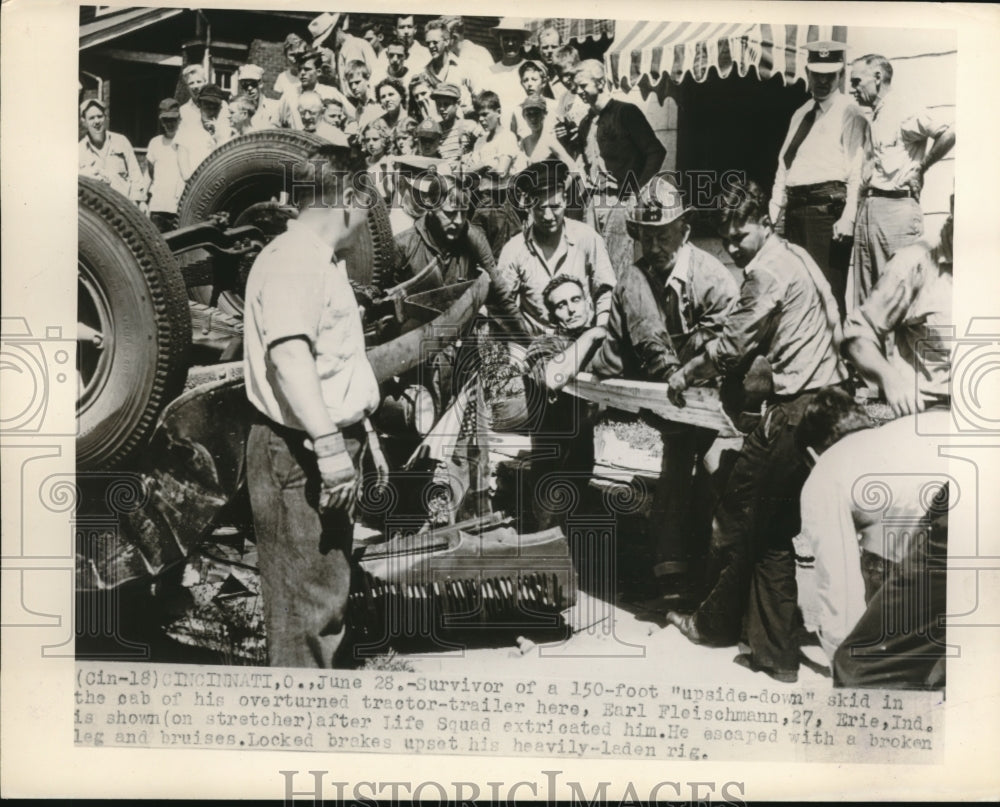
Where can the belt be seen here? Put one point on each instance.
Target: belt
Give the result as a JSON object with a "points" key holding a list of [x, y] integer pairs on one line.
{"points": [[831, 191], [884, 194], [298, 436]]}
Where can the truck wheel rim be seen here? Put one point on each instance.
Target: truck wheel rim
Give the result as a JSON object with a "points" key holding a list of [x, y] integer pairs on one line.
{"points": [[94, 338]]}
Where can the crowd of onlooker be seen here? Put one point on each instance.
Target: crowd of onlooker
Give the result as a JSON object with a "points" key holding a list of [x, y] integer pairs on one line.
{"points": [[595, 271]]}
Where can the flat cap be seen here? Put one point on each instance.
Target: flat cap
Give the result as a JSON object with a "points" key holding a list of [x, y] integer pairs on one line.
{"points": [[446, 90], [212, 94], [428, 127], [169, 108], [528, 63], [250, 72]]}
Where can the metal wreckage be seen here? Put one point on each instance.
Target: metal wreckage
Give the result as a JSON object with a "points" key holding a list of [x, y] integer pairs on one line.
{"points": [[164, 532]]}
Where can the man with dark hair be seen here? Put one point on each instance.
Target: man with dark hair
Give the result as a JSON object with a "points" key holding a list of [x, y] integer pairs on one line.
{"points": [[911, 305], [309, 379], [309, 63], [819, 169], [417, 56], [165, 181], [621, 153], [871, 561], [396, 60], [890, 216], [551, 245], [445, 235], [564, 430], [787, 313]]}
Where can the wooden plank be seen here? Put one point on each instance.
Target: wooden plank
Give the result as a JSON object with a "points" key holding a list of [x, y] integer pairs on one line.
{"points": [[702, 405]]}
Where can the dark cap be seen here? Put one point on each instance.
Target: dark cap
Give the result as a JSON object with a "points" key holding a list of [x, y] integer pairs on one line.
{"points": [[169, 108], [211, 93], [542, 178], [534, 101], [446, 90], [825, 57], [427, 127], [307, 55]]}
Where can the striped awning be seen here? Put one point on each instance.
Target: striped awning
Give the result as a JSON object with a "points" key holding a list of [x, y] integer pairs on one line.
{"points": [[643, 52], [574, 30]]}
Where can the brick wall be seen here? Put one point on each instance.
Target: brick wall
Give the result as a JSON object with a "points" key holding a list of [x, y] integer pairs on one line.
{"points": [[270, 57]]}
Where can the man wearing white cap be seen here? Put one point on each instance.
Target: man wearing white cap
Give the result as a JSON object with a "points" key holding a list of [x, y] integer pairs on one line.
{"points": [[108, 156], [819, 169], [266, 110], [326, 32], [503, 77]]}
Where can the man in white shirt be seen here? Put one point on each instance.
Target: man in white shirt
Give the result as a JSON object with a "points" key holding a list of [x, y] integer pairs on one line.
{"points": [[288, 79], [865, 513], [165, 182], [905, 141], [266, 110], [308, 377], [469, 52], [417, 56], [196, 142], [309, 66], [108, 156], [819, 170], [194, 78]]}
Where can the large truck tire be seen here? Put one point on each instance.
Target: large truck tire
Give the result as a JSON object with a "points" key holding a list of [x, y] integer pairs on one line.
{"points": [[253, 168], [134, 329]]}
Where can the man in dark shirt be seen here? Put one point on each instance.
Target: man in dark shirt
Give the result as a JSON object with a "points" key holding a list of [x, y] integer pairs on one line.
{"points": [[621, 153], [666, 306], [444, 234]]}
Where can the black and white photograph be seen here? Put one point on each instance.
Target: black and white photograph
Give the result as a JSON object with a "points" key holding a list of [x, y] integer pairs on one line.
{"points": [[531, 391]]}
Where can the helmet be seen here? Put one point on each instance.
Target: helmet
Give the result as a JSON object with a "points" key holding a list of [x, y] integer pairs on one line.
{"points": [[657, 204]]}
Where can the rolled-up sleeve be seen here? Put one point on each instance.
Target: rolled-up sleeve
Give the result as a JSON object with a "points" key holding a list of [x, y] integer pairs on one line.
{"points": [[748, 323]]}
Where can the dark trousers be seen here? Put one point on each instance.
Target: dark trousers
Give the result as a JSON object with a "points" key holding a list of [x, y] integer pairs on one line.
{"points": [[563, 460], [751, 566], [304, 555], [899, 642], [809, 220], [681, 487]]}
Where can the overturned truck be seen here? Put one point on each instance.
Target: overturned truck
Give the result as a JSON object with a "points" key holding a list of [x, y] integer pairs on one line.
{"points": [[161, 407]]}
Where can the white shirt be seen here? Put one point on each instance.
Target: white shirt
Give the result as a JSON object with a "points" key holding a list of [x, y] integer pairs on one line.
{"points": [[195, 143], [868, 491], [833, 151], [115, 164], [167, 184], [899, 134], [417, 58], [286, 81], [295, 290]]}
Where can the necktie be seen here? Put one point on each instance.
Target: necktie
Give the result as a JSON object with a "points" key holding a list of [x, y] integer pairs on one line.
{"points": [[800, 134]]}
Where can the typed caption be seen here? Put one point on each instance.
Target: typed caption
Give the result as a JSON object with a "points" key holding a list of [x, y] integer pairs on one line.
{"points": [[180, 706]]}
